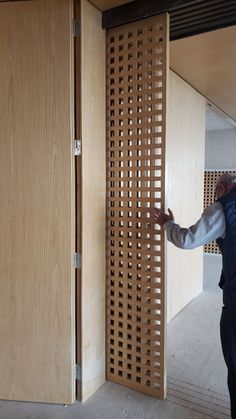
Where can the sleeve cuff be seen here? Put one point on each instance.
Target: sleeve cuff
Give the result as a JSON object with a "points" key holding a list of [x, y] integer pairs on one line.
{"points": [[167, 224]]}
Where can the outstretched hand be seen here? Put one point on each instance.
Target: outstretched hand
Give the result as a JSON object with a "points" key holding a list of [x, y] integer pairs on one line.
{"points": [[158, 216]]}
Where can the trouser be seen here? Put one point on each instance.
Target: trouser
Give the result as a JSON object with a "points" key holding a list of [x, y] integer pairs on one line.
{"points": [[228, 342]]}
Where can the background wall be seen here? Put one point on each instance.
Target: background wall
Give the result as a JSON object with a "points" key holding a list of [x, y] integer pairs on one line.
{"points": [[184, 188], [221, 149]]}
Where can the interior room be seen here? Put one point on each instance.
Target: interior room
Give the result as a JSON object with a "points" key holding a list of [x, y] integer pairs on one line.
{"points": [[108, 109]]}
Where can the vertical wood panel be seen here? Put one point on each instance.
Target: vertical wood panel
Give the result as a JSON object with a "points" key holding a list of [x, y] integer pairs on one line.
{"points": [[136, 120], [93, 108], [185, 148], [37, 201]]}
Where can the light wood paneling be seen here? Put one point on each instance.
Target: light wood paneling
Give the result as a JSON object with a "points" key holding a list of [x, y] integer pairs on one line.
{"points": [[93, 108], [208, 63], [109, 4], [137, 66], [37, 201], [184, 188]]}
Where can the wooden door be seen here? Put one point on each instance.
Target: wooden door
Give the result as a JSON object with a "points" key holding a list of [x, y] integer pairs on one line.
{"points": [[137, 68], [37, 330]]}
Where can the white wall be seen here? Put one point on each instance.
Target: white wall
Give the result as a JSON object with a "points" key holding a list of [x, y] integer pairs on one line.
{"points": [[184, 186], [221, 149]]}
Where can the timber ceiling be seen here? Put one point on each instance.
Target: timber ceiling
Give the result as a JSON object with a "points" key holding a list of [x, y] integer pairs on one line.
{"points": [[203, 42], [208, 63]]}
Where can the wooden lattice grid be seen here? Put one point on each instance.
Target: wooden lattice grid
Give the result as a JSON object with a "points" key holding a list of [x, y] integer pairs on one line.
{"points": [[210, 179], [136, 119]]}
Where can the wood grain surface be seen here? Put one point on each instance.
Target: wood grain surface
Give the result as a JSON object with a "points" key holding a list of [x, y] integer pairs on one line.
{"points": [[137, 67], [37, 202]]}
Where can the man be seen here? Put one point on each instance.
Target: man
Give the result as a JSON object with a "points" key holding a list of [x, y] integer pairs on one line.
{"points": [[218, 222]]}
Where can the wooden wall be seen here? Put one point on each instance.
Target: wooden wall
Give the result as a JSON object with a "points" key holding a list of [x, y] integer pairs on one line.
{"points": [[185, 170], [184, 188], [93, 198], [37, 296]]}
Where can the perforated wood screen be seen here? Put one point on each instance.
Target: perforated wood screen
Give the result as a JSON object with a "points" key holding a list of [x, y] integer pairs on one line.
{"points": [[210, 179], [136, 118]]}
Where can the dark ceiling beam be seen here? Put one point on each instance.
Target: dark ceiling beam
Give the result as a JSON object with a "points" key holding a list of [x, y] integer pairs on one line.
{"points": [[140, 9], [187, 17]]}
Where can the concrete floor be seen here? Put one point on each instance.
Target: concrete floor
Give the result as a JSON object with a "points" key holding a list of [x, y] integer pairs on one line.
{"points": [[196, 372]]}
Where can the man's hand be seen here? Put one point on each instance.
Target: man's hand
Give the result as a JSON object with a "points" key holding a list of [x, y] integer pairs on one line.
{"points": [[159, 217]]}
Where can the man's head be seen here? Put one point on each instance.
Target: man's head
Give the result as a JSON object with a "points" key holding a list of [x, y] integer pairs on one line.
{"points": [[225, 184]]}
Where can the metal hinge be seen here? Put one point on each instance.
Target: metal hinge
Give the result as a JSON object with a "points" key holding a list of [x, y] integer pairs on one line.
{"points": [[77, 147], [77, 260], [77, 372], [76, 28]]}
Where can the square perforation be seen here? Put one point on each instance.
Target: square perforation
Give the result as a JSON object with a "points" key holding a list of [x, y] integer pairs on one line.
{"points": [[136, 96]]}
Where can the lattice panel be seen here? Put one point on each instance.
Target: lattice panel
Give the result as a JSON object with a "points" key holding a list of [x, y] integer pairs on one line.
{"points": [[136, 114], [210, 179]]}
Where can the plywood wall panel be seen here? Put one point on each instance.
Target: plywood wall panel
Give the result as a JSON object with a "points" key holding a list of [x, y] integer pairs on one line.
{"points": [[37, 241], [184, 188], [93, 198]]}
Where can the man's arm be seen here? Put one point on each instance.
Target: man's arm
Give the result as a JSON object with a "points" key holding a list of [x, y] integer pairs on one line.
{"points": [[209, 227]]}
